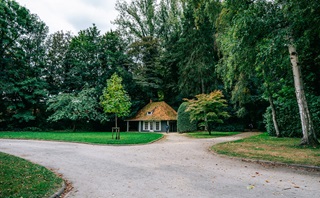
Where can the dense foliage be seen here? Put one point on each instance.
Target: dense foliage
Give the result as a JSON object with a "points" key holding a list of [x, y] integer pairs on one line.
{"points": [[289, 123], [184, 122], [170, 50], [76, 108]]}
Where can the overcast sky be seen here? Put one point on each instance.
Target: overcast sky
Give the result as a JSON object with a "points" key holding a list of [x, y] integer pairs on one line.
{"points": [[73, 15]]}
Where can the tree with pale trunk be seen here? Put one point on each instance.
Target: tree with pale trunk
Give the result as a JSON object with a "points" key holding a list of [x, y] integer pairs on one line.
{"points": [[309, 135], [255, 37]]}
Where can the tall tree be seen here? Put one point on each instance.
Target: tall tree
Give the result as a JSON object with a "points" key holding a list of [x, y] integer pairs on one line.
{"points": [[113, 58], [57, 46], [92, 58], [169, 17], [138, 22], [291, 31], [256, 25], [298, 31], [82, 59], [237, 55], [22, 53], [137, 19]]}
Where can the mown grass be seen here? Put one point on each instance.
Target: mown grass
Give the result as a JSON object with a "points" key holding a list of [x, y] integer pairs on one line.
{"points": [[85, 137], [21, 178], [264, 147], [214, 134]]}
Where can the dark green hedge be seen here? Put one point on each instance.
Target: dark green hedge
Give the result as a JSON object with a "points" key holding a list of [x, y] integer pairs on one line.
{"points": [[184, 123], [228, 127]]}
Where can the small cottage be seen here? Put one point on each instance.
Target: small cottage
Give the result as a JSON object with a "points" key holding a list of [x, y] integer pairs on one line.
{"points": [[154, 117]]}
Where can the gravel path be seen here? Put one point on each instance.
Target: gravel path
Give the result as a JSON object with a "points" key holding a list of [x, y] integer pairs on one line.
{"points": [[175, 166]]}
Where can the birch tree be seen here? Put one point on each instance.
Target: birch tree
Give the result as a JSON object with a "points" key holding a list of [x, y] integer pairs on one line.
{"points": [[258, 26], [309, 135], [297, 29]]}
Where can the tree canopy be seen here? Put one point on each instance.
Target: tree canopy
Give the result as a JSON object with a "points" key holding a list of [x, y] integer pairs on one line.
{"points": [[80, 107]]}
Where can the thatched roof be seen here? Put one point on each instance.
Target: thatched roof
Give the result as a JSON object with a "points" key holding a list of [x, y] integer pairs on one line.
{"points": [[155, 111]]}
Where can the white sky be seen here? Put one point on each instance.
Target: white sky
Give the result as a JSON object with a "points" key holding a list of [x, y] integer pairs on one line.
{"points": [[73, 15]]}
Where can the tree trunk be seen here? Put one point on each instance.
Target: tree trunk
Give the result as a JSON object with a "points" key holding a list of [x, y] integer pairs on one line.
{"points": [[309, 136], [117, 129], [273, 109], [274, 114], [74, 126], [206, 123], [202, 86], [209, 127], [116, 120]]}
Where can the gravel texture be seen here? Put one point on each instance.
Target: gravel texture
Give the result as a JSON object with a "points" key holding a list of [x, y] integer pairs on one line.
{"points": [[175, 166]]}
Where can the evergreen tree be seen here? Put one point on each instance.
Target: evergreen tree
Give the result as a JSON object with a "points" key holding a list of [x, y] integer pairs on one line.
{"points": [[22, 52], [196, 52], [56, 71]]}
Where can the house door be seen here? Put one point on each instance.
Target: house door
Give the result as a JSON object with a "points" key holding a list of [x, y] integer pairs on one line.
{"points": [[173, 126]]}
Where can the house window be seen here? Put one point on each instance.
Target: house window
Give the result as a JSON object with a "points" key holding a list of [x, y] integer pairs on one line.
{"points": [[158, 128], [149, 113], [146, 125], [150, 126]]}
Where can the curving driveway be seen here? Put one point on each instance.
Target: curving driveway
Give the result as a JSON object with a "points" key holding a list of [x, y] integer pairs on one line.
{"points": [[176, 166]]}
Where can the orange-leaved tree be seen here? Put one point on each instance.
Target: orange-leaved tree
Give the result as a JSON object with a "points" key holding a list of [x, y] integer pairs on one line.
{"points": [[207, 108]]}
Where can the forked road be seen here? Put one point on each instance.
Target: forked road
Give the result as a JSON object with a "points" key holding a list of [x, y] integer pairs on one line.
{"points": [[176, 166]]}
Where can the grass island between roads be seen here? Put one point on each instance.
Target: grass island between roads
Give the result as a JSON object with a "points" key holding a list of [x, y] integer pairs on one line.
{"points": [[265, 147]]}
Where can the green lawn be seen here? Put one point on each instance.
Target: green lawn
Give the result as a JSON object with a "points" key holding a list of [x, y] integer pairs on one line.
{"points": [[213, 134], [264, 147], [21, 178], [86, 137]]}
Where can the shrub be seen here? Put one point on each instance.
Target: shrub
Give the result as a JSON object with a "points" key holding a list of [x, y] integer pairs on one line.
{"points": [[184, 122], [33, 129], [228, 127]]}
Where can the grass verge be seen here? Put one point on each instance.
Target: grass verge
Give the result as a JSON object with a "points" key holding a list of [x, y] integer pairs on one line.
{"points": [[85, 137], [264, 147], [21, 178], [214, 134]]}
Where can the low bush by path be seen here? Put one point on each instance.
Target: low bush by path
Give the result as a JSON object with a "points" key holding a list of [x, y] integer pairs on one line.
{"points": [[21, 178], [264, 147], [86, 137]]}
